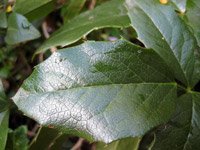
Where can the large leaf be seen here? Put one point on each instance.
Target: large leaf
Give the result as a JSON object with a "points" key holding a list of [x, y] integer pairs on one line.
{"points": [[20, 30], [193, 16], [183, 131], [100, 17], [4, 115], [159, 27], [99, 90]]}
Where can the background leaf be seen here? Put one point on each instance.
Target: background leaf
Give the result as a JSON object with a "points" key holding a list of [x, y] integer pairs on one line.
{"points": [[193, 16], [182, 132], [86, 22], [159, 27], [45, 139], [97, 91], [4, 116], [24, 7], [3, 18], [20, 30], [17, 139], [72, 9]]}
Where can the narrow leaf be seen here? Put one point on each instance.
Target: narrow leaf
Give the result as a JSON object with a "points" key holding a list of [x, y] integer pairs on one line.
{"points": [[87, 22], [20, 30], [159, 27], [101, 91]]}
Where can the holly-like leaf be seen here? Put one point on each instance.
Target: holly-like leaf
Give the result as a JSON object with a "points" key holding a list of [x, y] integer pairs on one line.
{"points": [[80, 26], [159, 27], [183, 131], [20, 30], [101, 91], [4, 115]]}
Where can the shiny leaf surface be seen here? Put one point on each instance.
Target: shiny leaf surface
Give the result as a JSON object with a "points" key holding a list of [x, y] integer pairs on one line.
{"points": [[86, 22], [101, 91], [159, 27]]}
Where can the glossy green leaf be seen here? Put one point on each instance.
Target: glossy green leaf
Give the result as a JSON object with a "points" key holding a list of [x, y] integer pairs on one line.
{"points": [[159, 27], [72, 9], [128, 143], [25, 7], [182, 132], [193, 16], [3, 20], [17, 139], [86, 22], [101, 91], [20, 30], [4, 115]]}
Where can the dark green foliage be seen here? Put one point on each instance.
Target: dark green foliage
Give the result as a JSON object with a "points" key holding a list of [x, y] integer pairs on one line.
{"points": [[137, 89]]}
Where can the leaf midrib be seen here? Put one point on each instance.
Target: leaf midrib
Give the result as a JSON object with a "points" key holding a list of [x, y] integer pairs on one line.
{"points": [[90, 86]]}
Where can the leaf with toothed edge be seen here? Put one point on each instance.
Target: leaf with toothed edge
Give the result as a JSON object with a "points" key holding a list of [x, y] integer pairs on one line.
{"points": [[102, 91]]}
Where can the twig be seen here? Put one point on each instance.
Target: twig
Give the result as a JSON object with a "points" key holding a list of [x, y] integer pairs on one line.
{"points": [[78, 144], [36, 136], [33, 131], [92, 4], [47, 35]]}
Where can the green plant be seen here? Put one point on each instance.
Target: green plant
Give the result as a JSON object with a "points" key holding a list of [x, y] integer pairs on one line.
{"points": [[144, 85]]}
